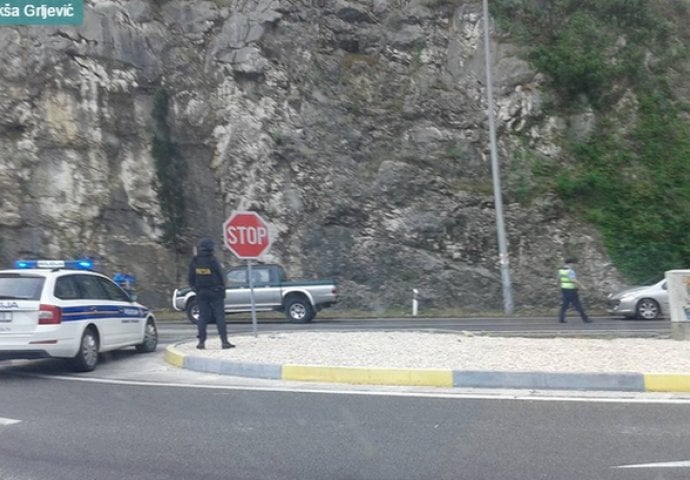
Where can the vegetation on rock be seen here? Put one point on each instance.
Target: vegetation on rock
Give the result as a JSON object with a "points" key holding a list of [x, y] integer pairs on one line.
{"points": [[631, 175], [170, 170]]}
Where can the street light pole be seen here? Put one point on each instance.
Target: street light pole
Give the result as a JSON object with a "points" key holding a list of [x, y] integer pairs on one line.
{"points": [[496, 174]]}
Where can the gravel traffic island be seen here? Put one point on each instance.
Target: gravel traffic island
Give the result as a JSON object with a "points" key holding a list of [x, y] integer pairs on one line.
{"points": [[453, 351]]}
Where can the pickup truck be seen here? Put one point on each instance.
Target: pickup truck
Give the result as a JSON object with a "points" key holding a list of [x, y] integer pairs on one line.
{"points": [[299, 299]]}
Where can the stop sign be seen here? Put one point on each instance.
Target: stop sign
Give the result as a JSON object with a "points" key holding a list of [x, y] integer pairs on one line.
{"points": [[246, 234]]}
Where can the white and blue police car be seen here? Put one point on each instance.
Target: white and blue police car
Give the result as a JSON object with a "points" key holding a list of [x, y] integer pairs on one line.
{"points": [[64, 309]]}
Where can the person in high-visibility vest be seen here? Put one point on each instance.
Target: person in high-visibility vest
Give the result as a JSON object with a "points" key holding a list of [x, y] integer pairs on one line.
{"points": [[569, 284]]}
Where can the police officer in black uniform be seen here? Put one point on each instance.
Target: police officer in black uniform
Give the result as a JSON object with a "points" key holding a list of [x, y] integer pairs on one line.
{"points": [[206, 278]]}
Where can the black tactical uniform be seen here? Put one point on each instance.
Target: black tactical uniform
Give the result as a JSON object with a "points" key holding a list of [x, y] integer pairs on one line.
{"points": [[206, 278]]}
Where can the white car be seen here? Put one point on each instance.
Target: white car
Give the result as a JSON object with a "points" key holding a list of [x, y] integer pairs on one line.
{"points": [[61, 309], [646, 303]]}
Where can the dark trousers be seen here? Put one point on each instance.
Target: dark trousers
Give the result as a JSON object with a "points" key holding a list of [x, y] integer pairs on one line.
{"points": [[211, 308], [570, 297]]}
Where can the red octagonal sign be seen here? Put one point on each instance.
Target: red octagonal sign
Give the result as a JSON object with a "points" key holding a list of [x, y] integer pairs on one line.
{"points": [[246, 235]]}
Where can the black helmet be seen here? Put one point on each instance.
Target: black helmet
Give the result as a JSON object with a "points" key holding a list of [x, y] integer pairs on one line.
{"points": [[205, 245]]}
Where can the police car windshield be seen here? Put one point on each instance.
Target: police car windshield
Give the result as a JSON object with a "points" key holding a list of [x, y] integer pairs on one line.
{"points": [[14, 287]]}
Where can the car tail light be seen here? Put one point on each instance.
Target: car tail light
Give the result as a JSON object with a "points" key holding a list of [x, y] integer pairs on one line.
{"points": [[49, 315]]}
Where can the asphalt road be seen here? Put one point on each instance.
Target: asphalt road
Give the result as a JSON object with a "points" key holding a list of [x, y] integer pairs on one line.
{"points": [[535, 326], [137, 417], [70, 429]]}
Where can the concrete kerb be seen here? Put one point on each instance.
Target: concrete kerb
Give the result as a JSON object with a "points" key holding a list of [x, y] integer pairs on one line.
{"points": [[621, 382]]}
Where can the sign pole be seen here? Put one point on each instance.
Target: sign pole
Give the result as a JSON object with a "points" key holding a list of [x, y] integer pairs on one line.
{"points": [[251, 295], [247, 235]]}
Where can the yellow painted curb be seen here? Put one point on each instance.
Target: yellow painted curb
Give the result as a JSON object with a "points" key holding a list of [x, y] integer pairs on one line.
{"points": [[369, 376], [658, 382], [174, 357]]}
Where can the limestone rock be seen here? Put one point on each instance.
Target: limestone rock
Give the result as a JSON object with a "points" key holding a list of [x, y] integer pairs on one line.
{"points": [[357, 129]]}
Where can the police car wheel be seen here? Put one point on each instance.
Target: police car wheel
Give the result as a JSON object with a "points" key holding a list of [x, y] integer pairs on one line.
{"points": [[150, 339], [87, 357]]}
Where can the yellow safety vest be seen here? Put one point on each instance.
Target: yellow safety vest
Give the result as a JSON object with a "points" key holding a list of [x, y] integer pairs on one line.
{"points": [[566, 282]]}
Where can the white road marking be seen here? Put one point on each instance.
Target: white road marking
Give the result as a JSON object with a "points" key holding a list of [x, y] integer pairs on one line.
{"points": [[682, 464], [400, 392], [8, 421]]}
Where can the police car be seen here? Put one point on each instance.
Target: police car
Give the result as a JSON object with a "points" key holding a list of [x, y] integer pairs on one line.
{"points": [[63, 309]]}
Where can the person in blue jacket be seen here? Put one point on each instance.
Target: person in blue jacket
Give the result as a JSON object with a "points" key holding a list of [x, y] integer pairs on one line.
{"points": [[126, 281], [206, 278]]}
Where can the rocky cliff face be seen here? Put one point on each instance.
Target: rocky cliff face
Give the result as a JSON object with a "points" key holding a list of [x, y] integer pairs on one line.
{"points": [[358, 129]]}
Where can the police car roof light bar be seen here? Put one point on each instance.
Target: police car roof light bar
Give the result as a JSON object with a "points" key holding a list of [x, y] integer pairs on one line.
{"points": [[79, 264]]}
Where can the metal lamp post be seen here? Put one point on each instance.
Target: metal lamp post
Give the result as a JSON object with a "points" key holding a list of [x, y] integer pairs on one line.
{"points": [[496, 174]]}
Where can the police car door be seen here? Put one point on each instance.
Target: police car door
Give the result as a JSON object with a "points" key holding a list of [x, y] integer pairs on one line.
{"points": [[130, 316], [100, 310]]}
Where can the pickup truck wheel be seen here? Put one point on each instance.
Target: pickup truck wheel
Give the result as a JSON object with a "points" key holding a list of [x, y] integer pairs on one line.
{"points": [[299, 310], [192, 311]]}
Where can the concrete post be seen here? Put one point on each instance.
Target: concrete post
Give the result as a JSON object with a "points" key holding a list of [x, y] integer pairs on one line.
{"points": [[678, 285]]}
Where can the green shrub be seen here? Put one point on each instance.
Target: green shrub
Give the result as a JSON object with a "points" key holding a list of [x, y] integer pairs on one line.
{"points": [[632, 177]]}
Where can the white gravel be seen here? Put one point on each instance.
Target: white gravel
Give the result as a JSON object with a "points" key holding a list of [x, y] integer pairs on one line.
{"points": [[456, 351]]}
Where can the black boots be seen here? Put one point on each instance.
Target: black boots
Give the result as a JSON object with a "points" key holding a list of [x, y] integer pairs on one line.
{"points": [[224, 345]]}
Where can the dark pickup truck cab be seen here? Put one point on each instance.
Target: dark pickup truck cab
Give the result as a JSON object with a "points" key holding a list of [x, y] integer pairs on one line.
{"points": [[299, 299]]}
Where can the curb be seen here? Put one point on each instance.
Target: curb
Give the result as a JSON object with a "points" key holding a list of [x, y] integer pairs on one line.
{"points": [[621, 382]]}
